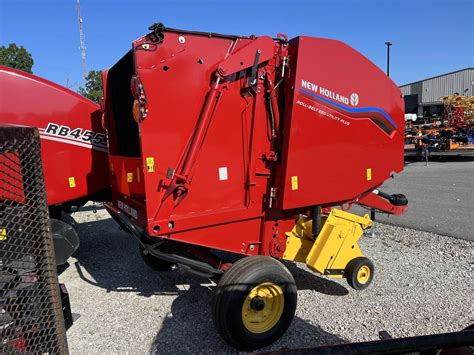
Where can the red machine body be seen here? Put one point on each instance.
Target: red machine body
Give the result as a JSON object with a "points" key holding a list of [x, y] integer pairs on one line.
{"points": [[342, 125], [220, 141], [73, 141]]}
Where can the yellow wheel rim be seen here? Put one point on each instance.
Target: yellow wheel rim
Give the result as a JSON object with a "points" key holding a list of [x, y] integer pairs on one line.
{"points": [[263, 307], [363, 274]]}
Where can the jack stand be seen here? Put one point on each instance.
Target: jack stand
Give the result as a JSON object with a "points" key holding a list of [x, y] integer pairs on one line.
{"points": [[372, 234]]}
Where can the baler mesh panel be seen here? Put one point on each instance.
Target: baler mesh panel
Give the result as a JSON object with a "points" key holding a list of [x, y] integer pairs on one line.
{"points": [[31, 318]]}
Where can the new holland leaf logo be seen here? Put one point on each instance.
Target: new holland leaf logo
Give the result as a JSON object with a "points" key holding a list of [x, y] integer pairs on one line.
{"points": [[354, 99]]}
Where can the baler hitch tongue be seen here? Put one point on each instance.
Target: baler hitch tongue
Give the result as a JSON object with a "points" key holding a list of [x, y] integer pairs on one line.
{"points": [[335, 251], [394, 199]]}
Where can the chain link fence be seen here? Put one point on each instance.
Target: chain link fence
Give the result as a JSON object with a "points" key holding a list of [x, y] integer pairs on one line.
{"points": [[31, 319]]}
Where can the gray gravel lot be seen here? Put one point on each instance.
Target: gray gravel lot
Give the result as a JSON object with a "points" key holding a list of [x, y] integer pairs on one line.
{"points": [[422, 286]]}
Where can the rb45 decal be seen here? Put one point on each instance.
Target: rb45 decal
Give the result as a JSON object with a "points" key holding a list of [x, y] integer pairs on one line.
{"points": [[69, 135]]}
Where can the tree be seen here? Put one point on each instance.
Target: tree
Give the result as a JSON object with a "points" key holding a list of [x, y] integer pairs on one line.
{"points": [[93, 87], [16, 57]]}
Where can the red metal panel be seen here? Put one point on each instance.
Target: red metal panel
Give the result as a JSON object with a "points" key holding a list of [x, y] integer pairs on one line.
{"points": [[223, 237], [11, 177], [73, 142], [220, 186], [335, 148], [127, 176], [224, 188]]}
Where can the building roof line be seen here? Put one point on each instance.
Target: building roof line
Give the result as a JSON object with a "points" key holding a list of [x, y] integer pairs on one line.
{"points": [[437, 76]]}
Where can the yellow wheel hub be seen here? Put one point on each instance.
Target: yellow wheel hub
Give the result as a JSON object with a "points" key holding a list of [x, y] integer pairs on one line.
{"points": [[263, 307], [363, 274]]}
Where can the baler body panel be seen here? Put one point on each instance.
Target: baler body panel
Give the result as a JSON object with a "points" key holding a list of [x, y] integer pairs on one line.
{"points": [[73, 142], [343, 126], [225, 185], [176, 89], [236, 195]]}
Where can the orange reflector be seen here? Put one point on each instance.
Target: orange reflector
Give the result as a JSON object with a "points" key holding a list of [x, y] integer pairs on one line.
{"points": [[102, 121], [137, 115]]}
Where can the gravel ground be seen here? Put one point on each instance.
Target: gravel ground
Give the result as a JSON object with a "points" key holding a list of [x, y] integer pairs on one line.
{"points": [[422, 286]]}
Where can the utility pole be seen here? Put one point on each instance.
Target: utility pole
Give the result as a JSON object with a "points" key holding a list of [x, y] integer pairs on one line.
{"points": [[388, 44], [82, 40]]}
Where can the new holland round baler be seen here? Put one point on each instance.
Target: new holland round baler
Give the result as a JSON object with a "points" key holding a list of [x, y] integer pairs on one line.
{"points": [[73, 146], [256, 146]]}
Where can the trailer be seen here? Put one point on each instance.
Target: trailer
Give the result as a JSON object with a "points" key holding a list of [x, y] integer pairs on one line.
{"points": [[452, 135], [255, 146]]}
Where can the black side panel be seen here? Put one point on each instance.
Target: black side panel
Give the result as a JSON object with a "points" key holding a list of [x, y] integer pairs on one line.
{"points": [[124, 137]]}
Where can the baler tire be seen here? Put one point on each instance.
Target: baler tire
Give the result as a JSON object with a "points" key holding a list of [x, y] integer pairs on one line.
{"points": [[360, 273], [231, 315], [155, 263]]}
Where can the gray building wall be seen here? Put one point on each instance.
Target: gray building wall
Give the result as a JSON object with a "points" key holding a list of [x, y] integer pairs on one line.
{"points": [[430, 90]]}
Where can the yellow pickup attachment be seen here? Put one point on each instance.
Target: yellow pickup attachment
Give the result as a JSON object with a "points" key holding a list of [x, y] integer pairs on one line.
{"points": [[332, 252]]}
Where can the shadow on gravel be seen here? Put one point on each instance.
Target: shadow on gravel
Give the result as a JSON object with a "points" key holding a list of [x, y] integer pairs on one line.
{"points": [[309, 281], [109, 258], [196, 333]]}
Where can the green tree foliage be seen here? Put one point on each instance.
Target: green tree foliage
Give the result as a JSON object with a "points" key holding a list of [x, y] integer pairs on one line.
{"points": [[93, 87], [16, 57]]}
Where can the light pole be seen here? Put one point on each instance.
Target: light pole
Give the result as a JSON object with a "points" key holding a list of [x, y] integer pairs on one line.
{"points": [[388, 57]]}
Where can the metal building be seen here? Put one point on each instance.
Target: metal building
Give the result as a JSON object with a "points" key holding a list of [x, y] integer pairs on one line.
{"points": [[423, 97]]}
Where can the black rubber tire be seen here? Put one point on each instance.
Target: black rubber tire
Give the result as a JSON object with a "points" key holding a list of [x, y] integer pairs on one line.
{"points": [[155, 263], [353, 268], [232, 290]]}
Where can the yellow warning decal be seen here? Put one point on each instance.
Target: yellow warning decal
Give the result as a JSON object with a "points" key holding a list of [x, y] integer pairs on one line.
{"points": [[150, 164], [129, 177], [294, 182], [3, 234], [369, 174], [72, 181]]}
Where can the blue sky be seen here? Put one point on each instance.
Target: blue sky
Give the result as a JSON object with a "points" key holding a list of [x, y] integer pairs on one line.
{"points": [[429, 37]]}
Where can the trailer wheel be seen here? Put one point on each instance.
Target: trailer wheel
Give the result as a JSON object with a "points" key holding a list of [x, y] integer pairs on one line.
{"points": [[255, 302], [155, 263], [360, 273]]}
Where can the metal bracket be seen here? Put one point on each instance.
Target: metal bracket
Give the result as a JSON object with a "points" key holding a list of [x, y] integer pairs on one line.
{"points": [[156, 36], [253, 77], [334, 272]]}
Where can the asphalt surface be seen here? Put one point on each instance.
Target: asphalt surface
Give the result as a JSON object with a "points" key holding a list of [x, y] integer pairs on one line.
{"points": [[440, 196]]}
